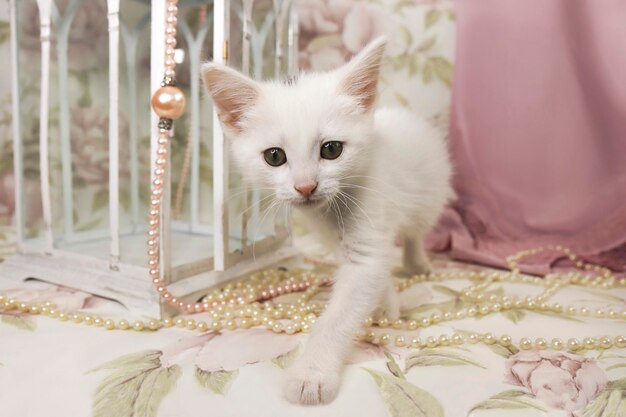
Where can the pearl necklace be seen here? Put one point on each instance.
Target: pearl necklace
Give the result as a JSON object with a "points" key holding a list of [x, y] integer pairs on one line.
{"points": [[248, 303]]}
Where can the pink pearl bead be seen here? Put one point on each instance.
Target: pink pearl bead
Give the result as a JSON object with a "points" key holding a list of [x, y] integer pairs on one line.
{"points": [[168, 102]]}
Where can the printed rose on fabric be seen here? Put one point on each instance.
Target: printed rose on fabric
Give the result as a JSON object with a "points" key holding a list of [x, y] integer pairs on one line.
{"points": [[332, 31], [560, 380]]}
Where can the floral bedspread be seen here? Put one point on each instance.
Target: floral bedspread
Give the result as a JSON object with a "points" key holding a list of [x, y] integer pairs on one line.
{"points": [[57, 368]]}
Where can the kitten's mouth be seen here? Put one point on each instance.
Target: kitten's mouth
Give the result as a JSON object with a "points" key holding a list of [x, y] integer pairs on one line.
{"points": [[310, 203]]}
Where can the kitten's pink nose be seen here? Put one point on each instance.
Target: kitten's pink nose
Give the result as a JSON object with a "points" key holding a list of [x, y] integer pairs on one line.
{"points": [[307, 189]]}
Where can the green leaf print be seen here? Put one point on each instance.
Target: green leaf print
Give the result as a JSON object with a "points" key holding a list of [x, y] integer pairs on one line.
{"points": [[404, 399], [136, 386], [511, 399], [21, 322], [438, 357], [217, 381], [431, 17]]}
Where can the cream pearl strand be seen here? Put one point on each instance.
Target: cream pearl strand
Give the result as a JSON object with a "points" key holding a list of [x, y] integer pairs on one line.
{"points": [[247, 303]]}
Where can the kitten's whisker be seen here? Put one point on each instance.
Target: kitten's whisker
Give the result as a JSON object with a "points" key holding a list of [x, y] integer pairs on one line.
{"points": [[242, 190], [354, 200], [256, 204], [370, 177], [340, 215], [287, 216], [384, 195], [342, 198], [258, 227]]}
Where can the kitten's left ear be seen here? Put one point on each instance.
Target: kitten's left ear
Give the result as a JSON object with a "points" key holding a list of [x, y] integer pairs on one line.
{"points": [[233, 95], [360, 75]]}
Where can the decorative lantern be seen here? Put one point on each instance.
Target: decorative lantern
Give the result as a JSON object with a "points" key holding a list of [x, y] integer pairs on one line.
{"points": [[194, 254]]}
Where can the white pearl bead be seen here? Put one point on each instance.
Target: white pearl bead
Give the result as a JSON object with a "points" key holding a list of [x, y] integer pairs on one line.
{"points": [[541, 343], [556, 344], [505, 340], [605, 342], [431, 342], [525, 343], [416, 342], [400, 342], [573, 344]]}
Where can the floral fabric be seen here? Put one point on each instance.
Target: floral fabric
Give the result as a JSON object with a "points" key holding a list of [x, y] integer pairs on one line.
{"points": [[79, 370]]}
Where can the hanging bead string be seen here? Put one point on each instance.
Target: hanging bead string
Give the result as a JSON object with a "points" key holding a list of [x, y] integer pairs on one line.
{"points": [[168, 103]]}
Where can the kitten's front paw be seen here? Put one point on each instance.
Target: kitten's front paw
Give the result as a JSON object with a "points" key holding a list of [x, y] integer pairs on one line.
{"points": [[310, 386]]}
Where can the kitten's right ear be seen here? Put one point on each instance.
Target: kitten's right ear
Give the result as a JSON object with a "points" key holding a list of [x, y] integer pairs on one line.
{"points": [[233, 94]]}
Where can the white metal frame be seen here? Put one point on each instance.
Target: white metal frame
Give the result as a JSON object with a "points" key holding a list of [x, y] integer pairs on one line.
{"points": [[131, 285]]}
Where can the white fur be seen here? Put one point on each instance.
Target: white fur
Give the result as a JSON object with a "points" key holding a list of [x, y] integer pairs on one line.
{"points": [[392, 178]]}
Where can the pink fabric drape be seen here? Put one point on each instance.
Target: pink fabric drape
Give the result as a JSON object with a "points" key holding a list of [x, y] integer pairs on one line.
{"points": [[538, 131]]}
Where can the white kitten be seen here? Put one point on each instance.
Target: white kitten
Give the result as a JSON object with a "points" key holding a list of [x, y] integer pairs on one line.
{"points": [[360, 176]]}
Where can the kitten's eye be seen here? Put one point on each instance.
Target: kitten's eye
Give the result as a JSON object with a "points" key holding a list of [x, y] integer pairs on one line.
{"points": [[331, 150], [275, 157]]}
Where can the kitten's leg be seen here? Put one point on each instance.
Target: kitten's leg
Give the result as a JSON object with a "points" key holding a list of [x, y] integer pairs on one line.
{"points": [[414, 256], [315, 376]]}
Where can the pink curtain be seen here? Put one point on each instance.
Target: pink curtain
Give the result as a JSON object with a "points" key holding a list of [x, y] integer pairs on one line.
{"points": [[538, 132]]}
